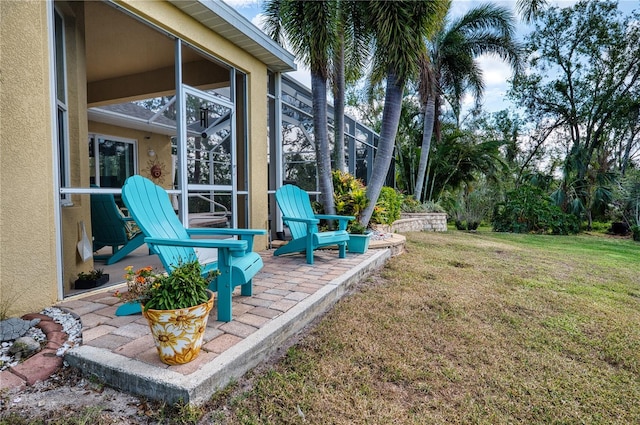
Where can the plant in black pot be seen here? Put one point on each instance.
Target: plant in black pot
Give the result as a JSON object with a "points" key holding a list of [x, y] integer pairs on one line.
{"points": [[91, 279]]}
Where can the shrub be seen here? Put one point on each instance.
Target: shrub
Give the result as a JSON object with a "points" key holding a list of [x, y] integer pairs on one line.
{"points": [[635, 231], [388, 207], [529, 209], [412, 205], [469, 209], [350, 198]]}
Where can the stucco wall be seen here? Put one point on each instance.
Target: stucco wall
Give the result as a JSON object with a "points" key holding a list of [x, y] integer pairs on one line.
{"points": [[27, 221], [28, 204], [258, 166], [79, 211]]}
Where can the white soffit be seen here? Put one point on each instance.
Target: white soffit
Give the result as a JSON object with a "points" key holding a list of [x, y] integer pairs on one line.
{"points": [[226, 21]]}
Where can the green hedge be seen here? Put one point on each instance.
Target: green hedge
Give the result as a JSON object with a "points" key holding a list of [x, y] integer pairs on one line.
{"points": [[528, 209]]}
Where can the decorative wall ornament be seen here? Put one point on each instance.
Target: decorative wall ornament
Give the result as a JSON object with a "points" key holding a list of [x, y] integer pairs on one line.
{"points": [[156, 170]]}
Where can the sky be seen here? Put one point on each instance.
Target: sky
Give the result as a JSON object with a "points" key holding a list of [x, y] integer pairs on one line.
{"points": [[496, 72]]}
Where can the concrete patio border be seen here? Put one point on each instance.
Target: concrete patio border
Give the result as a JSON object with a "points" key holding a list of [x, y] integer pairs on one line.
{"points": [[144, 379]]}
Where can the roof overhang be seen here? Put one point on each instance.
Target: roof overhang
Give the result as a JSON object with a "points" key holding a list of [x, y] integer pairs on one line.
{"points": [[102, 115], [228, 23]]}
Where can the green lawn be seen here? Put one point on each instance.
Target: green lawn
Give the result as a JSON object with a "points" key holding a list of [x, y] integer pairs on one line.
{"points": [[464, 328], [469, 328]]}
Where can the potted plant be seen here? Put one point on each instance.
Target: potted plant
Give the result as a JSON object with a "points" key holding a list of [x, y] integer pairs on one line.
{"points": [[176, 307], [350, 197], [92, 279], [358, 242]]}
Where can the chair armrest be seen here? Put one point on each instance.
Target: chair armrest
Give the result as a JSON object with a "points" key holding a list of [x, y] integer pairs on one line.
{"points": [[230, 244], [335, 217], [243, 234], [302, 220], [229, 232], [343, 220]]}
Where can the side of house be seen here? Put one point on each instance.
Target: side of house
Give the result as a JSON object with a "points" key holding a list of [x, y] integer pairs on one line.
{"points": [[95, 91]]}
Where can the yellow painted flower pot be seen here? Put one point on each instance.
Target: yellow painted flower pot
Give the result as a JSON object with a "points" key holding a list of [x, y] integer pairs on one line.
{"points": [[178, 334]]}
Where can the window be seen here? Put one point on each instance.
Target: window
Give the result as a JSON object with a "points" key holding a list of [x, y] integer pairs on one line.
{"points": [[111, 160]]}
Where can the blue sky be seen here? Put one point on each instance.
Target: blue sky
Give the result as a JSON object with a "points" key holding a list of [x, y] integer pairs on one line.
{"points": [[496, 72]]}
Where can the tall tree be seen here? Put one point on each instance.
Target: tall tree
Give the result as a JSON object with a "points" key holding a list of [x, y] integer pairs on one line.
{"points": [[399, 29], [626, 132], [451, 69], [462, 158], [309, 28], [406, 151], [348, 63], [585, 64]]}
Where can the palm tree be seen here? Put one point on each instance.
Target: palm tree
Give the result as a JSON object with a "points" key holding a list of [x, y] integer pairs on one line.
{"points": [[462, 158], [310, 29], [452, 68], [530, 9], [349, 61], [399, 29]]}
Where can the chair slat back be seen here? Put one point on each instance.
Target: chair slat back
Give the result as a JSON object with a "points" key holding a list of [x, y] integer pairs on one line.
{"points": [[295, 202], [107, 227], [151, 208]]}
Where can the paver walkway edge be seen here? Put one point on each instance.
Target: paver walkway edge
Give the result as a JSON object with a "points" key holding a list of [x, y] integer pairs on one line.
{"points": [[143, 379]]}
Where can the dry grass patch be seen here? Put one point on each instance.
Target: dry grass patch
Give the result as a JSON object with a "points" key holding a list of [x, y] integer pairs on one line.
{"points": [[470, 328]]}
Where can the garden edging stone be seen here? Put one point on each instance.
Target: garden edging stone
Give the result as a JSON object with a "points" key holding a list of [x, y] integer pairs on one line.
{"points": [[41, 365]]}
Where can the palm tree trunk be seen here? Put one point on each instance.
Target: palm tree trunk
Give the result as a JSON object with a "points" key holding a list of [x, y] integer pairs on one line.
{"points": [[386, 143], [429, 118], [338, 100], [321, 136]]}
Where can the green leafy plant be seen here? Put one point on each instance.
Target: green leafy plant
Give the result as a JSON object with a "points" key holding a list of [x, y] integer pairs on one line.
{"points": [[529, 209], [91, 275], [388, 207], [412, 205], [350, 198], [635, 232], [469, 208], [184, 287], [355, 228]]}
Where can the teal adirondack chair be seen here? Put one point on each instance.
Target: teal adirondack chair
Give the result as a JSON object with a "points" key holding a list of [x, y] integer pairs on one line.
{"points": [[151, 207], [298, 215], [110, 228]]}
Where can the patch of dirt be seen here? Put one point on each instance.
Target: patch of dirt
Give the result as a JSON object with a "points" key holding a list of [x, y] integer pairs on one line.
{"points": [[66, 393]]}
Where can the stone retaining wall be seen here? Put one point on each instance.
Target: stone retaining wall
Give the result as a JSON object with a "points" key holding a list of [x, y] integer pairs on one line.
{"points": [[417, 222]]}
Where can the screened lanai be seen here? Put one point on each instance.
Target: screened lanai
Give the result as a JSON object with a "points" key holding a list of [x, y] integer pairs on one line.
{"points": [[292, 156], [179, 99]]}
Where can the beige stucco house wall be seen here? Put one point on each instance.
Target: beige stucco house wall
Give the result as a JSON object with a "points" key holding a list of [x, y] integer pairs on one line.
{"points": [[28, 272], [36, 268]]}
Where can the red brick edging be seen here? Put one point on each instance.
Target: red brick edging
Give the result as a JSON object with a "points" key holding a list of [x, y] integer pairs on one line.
{"points": [[41, 365]]}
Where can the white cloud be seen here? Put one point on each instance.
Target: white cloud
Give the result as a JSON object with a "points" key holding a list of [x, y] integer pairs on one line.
{"points": [[237, 4], [257, 21], [496, 72]]}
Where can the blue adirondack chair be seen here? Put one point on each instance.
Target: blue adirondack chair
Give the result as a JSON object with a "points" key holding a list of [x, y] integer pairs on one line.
{"points": [[298, 215], [111, 228], [151, 207]]}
